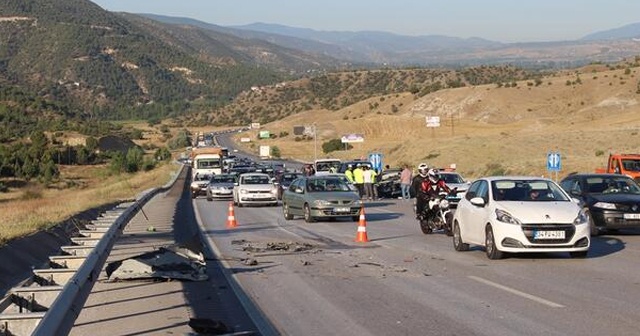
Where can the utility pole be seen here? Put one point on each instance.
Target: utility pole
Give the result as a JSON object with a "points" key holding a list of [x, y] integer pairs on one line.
{"points": [[315, 142]]}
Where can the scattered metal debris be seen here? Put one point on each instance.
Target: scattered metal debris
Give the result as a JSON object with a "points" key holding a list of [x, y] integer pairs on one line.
{"points": [[248, 246], [250, 262], [169, 262]]}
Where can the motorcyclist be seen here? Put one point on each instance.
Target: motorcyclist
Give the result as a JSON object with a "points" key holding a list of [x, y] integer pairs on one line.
{"points": [[429, 189], [416, 188]]}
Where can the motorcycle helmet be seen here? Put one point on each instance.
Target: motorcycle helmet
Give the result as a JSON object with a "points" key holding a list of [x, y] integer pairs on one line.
{"points": [[423, 169], [433, 175]]}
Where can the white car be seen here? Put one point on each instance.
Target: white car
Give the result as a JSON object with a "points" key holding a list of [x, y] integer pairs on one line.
{"points": [[511, 214], [255, 189]]}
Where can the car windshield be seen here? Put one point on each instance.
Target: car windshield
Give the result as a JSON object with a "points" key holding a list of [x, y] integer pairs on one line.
{"points": [[202, 177], [452, 178], [223, 179], [612, 185], [288, 178], [255, 180], [327, 185], [631, 164], [527, 191]]}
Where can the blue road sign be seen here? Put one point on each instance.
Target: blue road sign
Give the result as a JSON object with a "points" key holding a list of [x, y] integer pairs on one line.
{"points": [[554, 161], [376, 161]]}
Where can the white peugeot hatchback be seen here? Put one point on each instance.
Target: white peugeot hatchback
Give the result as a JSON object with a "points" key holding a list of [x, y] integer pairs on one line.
{"points": [[511, 214]]}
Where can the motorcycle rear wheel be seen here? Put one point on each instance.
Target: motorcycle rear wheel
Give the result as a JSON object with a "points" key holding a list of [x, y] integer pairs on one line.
{"points": [[424, 226]]}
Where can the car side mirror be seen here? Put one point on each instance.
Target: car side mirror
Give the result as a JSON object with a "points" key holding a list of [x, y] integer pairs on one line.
{"points": [[477, 201], [236, 184]]}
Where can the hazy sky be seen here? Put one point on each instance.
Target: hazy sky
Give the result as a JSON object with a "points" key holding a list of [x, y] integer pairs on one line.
{"points": [[498, 20]]}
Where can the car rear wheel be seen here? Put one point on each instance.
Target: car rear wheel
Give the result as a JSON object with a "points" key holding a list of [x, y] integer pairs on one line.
{"points": [[285, 211], [458, 245], [307, 214], [490, 245]]}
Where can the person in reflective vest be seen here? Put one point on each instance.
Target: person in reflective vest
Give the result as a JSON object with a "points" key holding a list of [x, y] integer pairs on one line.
{"points": [[358, 179], [349, 173]]}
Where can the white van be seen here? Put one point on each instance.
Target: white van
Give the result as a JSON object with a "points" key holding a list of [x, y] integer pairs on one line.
{"points": [[326, 166]]}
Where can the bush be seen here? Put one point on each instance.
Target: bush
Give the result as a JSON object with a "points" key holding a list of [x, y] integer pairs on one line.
{"points": [[599, 152], [334, 145]]}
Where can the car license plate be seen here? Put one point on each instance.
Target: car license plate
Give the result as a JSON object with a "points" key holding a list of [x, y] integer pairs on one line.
{"points": [[342, 210], [548, 234], [631, 216]]}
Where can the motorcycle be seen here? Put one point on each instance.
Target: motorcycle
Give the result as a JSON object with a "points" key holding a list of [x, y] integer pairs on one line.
{"points": [[440, 216]]}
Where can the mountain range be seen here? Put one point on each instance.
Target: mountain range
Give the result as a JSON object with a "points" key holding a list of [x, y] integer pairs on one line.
{"points": [[388, 49]]}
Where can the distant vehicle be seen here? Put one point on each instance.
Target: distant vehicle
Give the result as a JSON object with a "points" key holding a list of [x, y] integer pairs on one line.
{"points": [[199, 185], [625, 164], [206, 160], [612, 200], [221, 186], [283, 181], [455, 180], [255, 189], [320, 197], [326, 166], [510, 214]]}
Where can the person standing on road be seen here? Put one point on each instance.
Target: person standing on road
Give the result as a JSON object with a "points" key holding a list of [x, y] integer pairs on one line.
{"points": [[358, 179], [367, 177], [405, 182], [349, 173]]}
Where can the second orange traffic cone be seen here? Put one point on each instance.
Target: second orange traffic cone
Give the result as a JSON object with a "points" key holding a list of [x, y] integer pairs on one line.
{"points": [[361, 236], [231, 217]]}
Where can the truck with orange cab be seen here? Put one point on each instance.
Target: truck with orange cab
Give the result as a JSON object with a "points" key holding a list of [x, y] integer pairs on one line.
{"points": [[625, 164]]}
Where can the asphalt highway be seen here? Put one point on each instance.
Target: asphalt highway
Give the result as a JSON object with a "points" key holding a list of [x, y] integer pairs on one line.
{"points": [[313, 279]]}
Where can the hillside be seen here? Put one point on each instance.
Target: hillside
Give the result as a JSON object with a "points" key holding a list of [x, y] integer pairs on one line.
{"points": [[118, 66], [486, 129], [334, 91]]}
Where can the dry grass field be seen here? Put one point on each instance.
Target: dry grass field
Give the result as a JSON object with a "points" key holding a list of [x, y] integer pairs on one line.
{"points": [[31, 208], [583, 114]]}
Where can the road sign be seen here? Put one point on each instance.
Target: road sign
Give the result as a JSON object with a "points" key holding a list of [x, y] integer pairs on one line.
{"points": [[376, 161], [433, 121], [554, 161]]}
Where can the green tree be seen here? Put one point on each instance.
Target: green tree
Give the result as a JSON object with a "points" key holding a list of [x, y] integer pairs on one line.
{"points": [[275, 152], [133, 160]]}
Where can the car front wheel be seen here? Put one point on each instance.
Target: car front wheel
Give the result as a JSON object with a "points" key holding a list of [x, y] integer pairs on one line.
{"points": [[593, 229], [307, 214], [490, 245]]}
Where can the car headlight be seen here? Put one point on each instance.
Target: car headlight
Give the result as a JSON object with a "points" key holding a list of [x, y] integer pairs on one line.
{"points": [[444, 204], [506, 217], [321, 202], [605, 205], [274, 191], [194, 185], [357, 203], [582, 218], [243, 191]]}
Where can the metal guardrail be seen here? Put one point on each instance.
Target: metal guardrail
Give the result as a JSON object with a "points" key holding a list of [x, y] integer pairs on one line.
{"points": [[52, 308]]}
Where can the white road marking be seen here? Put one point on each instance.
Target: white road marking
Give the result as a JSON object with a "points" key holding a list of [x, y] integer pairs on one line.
{"points": [[517, 292]]}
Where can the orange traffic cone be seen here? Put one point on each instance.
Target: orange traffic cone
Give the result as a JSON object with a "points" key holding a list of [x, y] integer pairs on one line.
{"points": [[361, 236], [231, 218]]}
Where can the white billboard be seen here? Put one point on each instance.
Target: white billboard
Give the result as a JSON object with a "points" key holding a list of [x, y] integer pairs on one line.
{"points": [[433, 121], [265, 152], [350, 138]]}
